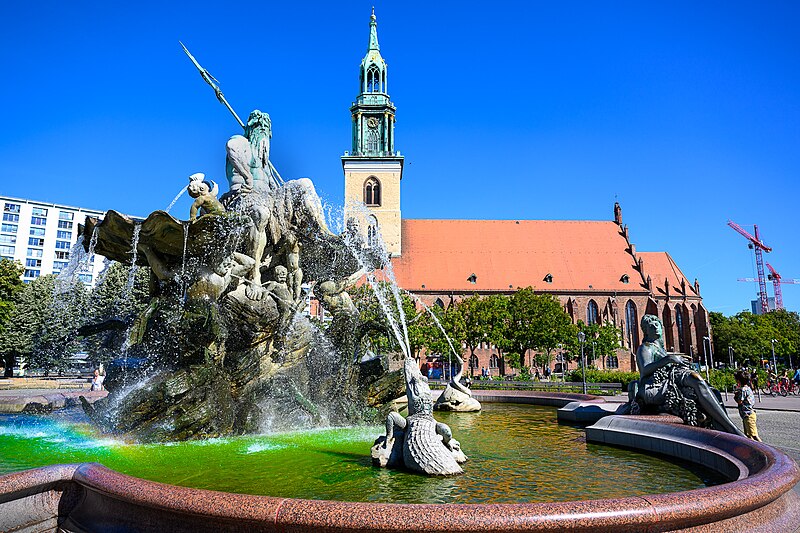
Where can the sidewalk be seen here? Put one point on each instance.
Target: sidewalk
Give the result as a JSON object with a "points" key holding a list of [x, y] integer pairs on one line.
{"points": [[789, 403]]}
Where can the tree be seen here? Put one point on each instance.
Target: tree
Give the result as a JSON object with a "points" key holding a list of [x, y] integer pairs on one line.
{"points": [[56, 338], [554, 326], [10, 286], [474, 311], [496, 317], [601, 341], [112, 298], [749, 335], [42, 328]]}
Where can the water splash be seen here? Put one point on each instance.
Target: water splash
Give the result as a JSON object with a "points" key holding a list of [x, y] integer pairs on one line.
{"points": [[137, 228], [436, 321], [175, 200]]}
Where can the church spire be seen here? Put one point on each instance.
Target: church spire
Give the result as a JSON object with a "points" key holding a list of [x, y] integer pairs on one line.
{"points": [[373, 32]]}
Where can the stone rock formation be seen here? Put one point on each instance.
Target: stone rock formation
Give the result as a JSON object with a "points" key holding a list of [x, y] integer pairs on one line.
{"points": [[223, 347]]}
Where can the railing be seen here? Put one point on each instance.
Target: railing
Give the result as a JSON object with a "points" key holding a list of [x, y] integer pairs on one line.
{"points": [[560, 386]]}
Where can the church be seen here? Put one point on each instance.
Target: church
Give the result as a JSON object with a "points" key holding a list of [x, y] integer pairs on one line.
{"points": [[592, 267]]}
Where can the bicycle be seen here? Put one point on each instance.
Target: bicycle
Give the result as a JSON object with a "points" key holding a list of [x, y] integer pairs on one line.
{"points": [[772, 388]]}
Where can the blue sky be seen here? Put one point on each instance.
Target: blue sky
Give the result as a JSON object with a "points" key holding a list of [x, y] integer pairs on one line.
{"points": [[687, 114]]}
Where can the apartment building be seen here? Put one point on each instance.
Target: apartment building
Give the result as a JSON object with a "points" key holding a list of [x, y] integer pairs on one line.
{"points": [[41, 235]]}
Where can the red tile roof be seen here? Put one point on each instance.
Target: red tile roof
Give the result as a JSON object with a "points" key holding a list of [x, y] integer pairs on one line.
{"points": [[581, 256], [660, 266]]}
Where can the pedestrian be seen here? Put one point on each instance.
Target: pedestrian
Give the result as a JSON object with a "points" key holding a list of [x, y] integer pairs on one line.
{"points": [[97, 381], [744, 400]]}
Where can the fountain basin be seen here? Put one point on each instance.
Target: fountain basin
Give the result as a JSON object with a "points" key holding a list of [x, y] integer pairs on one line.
{"points": [[92, 497]]}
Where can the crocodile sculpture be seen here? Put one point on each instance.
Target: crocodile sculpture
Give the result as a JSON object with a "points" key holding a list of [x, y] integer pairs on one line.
{"points": [[418, 443]]}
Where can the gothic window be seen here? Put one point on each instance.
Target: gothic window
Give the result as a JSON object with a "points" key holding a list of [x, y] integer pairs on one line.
{"points": [[439, 303], [679, 323], [473, 361], [612, 361], [372, 232], [592, 312], [372, 140], [632, 324], [372, 192], [373, 79], [494, 361]]}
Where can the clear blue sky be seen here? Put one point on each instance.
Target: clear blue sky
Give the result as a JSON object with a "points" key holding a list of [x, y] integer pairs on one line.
{"points": [[686, 112]]}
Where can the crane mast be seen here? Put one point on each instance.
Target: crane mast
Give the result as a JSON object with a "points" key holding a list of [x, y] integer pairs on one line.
{"points": [[759, 247]]}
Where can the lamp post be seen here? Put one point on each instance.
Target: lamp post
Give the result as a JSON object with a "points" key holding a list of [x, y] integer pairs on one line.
{"points": [[594, 356], [774, 364], [730, 356], [582, 339], [705, 353]]}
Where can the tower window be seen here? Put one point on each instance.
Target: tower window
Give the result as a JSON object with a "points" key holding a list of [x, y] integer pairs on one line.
{"points": [[374, 79], [372, 232], [372, 192], [372, 140]]}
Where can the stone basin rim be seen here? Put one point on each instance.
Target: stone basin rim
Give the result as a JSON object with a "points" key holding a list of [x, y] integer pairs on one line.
{"points": [[763, 491]]}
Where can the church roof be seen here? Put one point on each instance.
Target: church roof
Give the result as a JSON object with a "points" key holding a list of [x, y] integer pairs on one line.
{"points": [[504, 255], [660, 267]]}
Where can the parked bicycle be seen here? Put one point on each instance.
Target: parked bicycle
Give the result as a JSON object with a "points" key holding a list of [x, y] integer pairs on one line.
{"points": [[774, 387]]}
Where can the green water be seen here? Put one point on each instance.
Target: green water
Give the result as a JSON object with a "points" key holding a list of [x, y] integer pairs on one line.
{"points": [[517, 454]]}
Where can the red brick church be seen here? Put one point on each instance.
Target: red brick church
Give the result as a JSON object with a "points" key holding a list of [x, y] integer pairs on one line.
{"points": [[591, 266]]}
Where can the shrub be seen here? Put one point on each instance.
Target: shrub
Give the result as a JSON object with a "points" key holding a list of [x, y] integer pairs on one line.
{"points": [[604, 376]]}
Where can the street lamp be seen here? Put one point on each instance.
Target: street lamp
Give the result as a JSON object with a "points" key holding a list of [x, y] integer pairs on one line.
{"points": [[774, 364], [708, 377], [594, 356], [730, 355], [582, 338]]}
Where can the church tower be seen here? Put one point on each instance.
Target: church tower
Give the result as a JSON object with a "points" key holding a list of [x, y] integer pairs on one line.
{"points": [[372, 168]]}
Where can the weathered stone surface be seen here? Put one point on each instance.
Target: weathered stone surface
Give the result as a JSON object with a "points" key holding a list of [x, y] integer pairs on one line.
{"points": [[425, 445], [453, 399]]}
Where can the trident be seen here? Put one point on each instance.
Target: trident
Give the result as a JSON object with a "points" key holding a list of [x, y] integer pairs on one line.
{"points": [[214, 83]]}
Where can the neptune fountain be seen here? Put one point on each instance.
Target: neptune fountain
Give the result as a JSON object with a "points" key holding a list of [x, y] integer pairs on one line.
{"points": [[224, 335]]}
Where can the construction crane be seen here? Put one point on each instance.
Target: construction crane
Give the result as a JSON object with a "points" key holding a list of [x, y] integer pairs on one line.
{"points": [[758, 246], [777, 281]]}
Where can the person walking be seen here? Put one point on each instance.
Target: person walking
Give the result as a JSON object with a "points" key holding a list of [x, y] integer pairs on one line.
{"points": [[744, 400], [97, 381]]}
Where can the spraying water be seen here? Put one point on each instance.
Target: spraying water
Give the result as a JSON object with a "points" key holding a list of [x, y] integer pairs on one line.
{"points": [[134, 255], [174, 200]]}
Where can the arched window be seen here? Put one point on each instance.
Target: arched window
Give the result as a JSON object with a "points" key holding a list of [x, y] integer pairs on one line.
{"points": [[473, 361], [679, 322], [374, 79], [372, 140], [372, 192], [612, 361], [439, 302], [592, 312], [494, 361], [666, 319], [632, 324], [372, 231]]}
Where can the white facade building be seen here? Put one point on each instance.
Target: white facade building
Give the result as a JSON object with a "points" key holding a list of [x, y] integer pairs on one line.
{"points": [[40, 236]]}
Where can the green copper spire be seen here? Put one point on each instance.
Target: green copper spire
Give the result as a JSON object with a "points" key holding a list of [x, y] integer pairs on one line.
{"points": [[373, 32], [373, 112]]}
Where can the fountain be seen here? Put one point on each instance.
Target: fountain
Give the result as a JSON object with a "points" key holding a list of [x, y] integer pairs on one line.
{"points": [[222, 335], [229, 369]]}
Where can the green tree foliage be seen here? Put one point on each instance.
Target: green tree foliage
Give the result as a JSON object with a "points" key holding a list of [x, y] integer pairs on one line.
{"points": [[111, 298], [473, 312], [601, 341], [42, 328], [56, 339], [749, 335], [10, 286]]}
